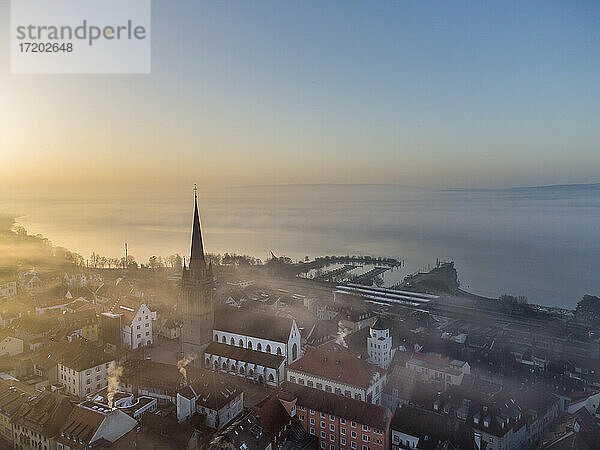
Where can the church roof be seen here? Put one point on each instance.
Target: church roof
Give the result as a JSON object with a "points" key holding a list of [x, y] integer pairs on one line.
{"points": [[246, 323], [197, 253], [245, 355]]}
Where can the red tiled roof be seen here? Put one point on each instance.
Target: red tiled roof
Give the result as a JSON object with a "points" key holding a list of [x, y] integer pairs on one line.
{"points": [[338, 365], [81, 425], [347, 408], [128, 307]]}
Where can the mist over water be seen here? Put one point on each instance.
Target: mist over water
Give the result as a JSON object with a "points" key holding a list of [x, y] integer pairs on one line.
{"points": [[539, 242]]}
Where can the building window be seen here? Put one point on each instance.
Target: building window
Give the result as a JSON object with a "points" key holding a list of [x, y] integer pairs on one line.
{"points": [[292, 379], [365, 428], [332, 437], [268, 349], [322, 424], [250, 345], [312, 411], [343, 431], [279, 351], [331, 427], [353, 434], [309, 383], [323, 415], [241, 343], [312, 431], [323, 436], [312, 421], [343, 441], [357, 396], [232, 341], [353, 444], [319, 386]]}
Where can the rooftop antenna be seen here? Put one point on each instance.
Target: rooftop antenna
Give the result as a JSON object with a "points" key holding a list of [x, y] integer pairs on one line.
{"points": [[125, 255]]}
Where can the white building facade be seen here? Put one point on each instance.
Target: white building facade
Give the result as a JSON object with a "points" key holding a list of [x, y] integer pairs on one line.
{"points": [[281, 339], [8, 289], [260, 367], [82, 382], [136, 323]]}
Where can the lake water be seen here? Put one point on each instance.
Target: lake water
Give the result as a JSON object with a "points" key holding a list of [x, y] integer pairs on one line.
{"points": [[540, 242]]}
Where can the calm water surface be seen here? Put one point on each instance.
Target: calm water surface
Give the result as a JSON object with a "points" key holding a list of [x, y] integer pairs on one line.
{"points": [[540, 242]]}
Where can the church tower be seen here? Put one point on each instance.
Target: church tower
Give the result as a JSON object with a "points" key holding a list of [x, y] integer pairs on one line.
{"points": [[197, 285]]}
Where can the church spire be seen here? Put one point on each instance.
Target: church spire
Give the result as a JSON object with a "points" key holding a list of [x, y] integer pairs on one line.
{"points": [[197, 254]]}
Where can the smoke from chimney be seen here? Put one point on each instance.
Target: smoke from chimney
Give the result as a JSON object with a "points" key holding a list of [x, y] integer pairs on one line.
{"points": [[182, 363], [114, 381]]}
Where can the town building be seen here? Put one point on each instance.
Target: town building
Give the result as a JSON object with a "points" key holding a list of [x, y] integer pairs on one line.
{"points": [[37, 423], [31, 282], [379, 344], [355, 319], [136, 322], [197, 284], [499, 426], [211, 396], [84, 369], [414, 427], [157, 380], [337, 421], [405, 387], [11, 399], [435, 369], [170, 329], [263, 333], [10, 344], [579, 430], [89, 426], [337, 371], [324, 309], [125, 401], [8, 289], [80, 324]]}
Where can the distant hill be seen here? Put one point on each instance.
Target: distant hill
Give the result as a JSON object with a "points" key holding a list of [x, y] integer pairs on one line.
{"points": [[21, 250], [550, 187]]}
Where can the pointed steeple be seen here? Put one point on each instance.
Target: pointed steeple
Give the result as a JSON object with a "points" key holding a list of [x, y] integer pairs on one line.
{"points": [[197, 255]]}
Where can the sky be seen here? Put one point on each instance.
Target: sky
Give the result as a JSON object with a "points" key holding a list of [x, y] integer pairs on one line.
{"points": [[436, 94]]}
